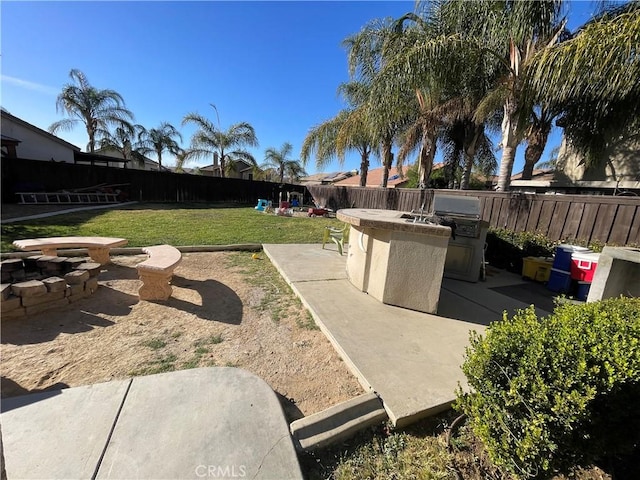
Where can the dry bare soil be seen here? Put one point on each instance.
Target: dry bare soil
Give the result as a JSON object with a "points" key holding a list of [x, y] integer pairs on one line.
{"points": [[227, 309]]}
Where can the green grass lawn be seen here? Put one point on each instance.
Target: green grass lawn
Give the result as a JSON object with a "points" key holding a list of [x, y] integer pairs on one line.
{"points": [[174, 224]]}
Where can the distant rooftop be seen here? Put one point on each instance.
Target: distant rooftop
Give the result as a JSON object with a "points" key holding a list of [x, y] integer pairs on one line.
{"points": [[374, 178], [326, 178]]}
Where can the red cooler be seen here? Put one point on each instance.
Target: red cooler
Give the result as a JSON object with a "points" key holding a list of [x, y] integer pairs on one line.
{"points": [[583, 266], [562, 260]]}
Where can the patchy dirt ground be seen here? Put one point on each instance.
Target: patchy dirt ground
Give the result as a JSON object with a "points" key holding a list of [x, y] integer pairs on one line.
{"points": [[227, 309]]}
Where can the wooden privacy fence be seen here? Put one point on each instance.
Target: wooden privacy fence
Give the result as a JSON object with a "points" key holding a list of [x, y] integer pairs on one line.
{"points": [[22, 175], [589, 218]]}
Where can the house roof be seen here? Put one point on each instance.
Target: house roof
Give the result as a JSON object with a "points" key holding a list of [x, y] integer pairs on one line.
{"points": [[247, 166], [538, 174], [374, 178], [95, 158], [190, 171], [109, 152], [332, 177], [40, 131], [6, 138]]}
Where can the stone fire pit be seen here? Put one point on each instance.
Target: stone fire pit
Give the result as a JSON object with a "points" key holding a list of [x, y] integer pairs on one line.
{"points": [[34, 284]]}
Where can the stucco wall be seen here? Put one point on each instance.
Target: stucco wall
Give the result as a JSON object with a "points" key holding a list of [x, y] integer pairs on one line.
{"points": [[622, 163], [34, 145]]}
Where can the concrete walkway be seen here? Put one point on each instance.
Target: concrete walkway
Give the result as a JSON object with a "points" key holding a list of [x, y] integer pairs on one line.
{"points": [[62, 211], [202, 423], [410, 359]]}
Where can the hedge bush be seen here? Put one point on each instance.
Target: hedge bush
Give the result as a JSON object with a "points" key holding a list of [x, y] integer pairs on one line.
{"points": [[552, 393], [506, 248]]}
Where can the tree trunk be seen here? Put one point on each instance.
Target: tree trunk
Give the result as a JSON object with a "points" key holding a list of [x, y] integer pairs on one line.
{"points": [[469, 154], [466, 172], [91, 132], [92, 140], [364, 168], [509, 145], [387, 162], [451, 175], [427, 154], [159, 152], [536, 142]]}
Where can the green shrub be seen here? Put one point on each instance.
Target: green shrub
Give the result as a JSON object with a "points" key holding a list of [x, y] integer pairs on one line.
{"points": [[557, 392], [506, 248]]}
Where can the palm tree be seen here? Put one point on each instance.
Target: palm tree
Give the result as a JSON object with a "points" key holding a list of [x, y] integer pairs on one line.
{"points": [[512, 37], [422, 132], [96, 109], [446, 92], [500, 37], [383, 115], [465, 144], [295, 171], [592, 79], [210, 140], [346, 131], [536, 136], [367, 125], [124, 140], [159, 140], [268, 175], [278, 160]]}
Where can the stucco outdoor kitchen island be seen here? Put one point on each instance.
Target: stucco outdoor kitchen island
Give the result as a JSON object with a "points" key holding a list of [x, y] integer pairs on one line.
{"points": [[395, 259]]}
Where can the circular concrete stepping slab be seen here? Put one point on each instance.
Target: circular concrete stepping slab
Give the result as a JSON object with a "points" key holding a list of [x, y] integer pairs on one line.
{"points": [[201, 423]]}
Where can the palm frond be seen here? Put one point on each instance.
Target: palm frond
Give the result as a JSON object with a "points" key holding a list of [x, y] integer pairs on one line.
{"points": [[321, 140], [412, 138], [492, 103], [601, 62], [65, 124], [200, 121]]}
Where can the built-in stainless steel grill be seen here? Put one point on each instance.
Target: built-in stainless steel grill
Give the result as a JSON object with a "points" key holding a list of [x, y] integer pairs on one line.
{"points": [[465, 252], [464, 211]]}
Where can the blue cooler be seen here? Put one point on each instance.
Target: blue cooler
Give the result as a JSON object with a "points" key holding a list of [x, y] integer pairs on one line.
{"points": [[562, 259], [559, 281], [583, 291]]}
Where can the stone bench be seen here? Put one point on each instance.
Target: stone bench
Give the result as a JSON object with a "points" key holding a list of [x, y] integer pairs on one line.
{"points": [[98, 247], [156, 272]]}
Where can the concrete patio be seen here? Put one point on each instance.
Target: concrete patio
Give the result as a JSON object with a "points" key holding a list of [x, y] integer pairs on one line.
{"points": [[410, 359]]}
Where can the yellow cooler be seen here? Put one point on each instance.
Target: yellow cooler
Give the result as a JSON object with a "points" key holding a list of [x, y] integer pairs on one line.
{"points": [[537, 268]]}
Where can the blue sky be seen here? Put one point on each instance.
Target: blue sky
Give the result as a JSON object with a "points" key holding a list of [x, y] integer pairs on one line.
{"points": [[276, 65]]}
